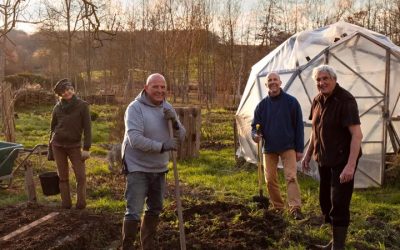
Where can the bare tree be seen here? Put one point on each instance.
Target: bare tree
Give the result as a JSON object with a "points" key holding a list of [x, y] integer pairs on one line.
{"points": [[268, 8], [93, 34], [228, 22], [63, 21], [10, 11]]}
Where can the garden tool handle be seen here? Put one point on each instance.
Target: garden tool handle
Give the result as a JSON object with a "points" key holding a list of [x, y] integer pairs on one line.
{"points": [[259, 168], [259, 159], [177, 193]]}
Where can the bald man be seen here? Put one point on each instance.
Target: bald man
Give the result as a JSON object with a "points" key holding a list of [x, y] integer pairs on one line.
{"points": [[145, 155], [282, 131]]}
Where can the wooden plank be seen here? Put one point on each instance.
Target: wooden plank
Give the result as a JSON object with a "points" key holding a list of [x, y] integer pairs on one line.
{"points": [[29, 226]]}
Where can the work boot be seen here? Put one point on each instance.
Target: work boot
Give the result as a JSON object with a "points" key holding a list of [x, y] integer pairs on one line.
{"points": [[81, 194], [65, 194], [296, 214], [339, 238], [129, 231], [148, 231]]}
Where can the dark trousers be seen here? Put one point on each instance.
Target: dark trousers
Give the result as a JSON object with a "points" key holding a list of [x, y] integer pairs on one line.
{"points": [[335, 197]]}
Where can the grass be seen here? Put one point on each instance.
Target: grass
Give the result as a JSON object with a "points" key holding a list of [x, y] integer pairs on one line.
{"points": [[217, 126], [375, 211], [216, 170]]}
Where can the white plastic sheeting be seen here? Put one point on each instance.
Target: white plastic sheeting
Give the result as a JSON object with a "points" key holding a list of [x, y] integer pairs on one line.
{"points": [[367, 64]]}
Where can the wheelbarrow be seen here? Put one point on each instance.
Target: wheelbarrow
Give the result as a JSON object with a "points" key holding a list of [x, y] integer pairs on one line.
{"points": [[9, 152]]}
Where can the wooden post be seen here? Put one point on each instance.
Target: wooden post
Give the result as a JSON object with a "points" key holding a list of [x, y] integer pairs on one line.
{"points": [[29, 183], [7, 111], [197, 131], [235, 138], [190, 118]]}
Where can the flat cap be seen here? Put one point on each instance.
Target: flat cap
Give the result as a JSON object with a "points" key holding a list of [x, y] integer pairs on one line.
{"points": [[62, 85]]}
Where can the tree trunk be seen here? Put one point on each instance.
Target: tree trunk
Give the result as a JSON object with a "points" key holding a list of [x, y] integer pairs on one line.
{"points": [[7, 112]]}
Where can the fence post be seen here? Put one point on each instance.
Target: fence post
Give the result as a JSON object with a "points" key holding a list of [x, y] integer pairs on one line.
{"points": [[190, 118], [29, 183], [235, 138]]}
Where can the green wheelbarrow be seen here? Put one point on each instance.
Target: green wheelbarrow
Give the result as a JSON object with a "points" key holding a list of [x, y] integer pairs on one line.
{"points": [[9, 152]]}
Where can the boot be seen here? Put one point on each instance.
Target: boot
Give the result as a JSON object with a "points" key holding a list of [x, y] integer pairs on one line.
{"points": [[129, 231], [148, 231], [81, 194], [65, 194], [339, 238]]}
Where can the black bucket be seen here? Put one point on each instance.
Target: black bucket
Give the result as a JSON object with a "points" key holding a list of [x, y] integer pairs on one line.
{"points": [[49, 182]]}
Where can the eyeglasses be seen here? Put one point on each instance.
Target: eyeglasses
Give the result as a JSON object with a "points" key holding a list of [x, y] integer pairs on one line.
{"points": [[322, 78]]}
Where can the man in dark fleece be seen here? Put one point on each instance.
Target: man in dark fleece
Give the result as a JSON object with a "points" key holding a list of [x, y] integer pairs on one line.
{"points": [[145, 154], [281, 128], [335, 144]]}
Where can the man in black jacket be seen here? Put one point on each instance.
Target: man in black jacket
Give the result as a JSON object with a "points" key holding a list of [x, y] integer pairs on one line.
{"points": [[335, 144]]}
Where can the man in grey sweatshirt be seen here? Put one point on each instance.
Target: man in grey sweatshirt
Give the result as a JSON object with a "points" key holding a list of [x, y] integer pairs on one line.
{"points": [[145, 154]]}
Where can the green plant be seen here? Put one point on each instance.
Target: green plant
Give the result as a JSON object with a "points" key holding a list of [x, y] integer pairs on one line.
{"points": [[93, 116]]}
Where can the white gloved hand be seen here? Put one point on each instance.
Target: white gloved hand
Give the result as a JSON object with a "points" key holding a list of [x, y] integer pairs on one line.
{"points": [[85, 155]]}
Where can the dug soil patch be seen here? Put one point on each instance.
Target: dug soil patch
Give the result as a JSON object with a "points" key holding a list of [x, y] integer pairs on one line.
{"points": [[209, 224], [70, 229]]}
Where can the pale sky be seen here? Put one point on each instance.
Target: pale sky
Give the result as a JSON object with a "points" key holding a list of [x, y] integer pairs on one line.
{"points": [[247, 5]]}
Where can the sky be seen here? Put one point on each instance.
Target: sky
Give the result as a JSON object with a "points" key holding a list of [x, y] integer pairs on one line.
{"points": [[28, 28], [33, 5]]}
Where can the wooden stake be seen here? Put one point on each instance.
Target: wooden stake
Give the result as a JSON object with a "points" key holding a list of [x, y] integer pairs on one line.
{"points": [[29, 183]]}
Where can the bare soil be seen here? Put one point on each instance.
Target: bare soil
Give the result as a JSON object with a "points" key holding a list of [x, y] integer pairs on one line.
{"points": [[70, 229], [209, 224]]}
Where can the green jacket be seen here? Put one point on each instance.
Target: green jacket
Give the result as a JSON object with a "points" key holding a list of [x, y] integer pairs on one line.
{"points": [[69, 120]]}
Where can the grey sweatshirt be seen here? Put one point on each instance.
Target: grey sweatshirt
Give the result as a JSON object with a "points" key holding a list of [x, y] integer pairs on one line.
{"points": [[145, 131]]}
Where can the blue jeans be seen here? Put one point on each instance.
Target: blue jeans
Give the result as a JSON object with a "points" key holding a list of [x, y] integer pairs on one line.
{"points": [[144, 187]]}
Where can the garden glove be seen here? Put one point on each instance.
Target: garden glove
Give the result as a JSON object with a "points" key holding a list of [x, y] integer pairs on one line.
{"points": [[169, 114], [170, 144], [85, 155]]}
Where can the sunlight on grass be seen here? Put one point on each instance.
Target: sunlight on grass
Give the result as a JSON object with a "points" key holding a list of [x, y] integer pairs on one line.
{"points": [[98, 150], [105, 204], [33, 126], [96, 166], [216, 170], [10, 198]]}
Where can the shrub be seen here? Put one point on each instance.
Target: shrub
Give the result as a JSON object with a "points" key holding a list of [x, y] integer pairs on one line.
{"points": [[18, 80], [93, 115]]}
